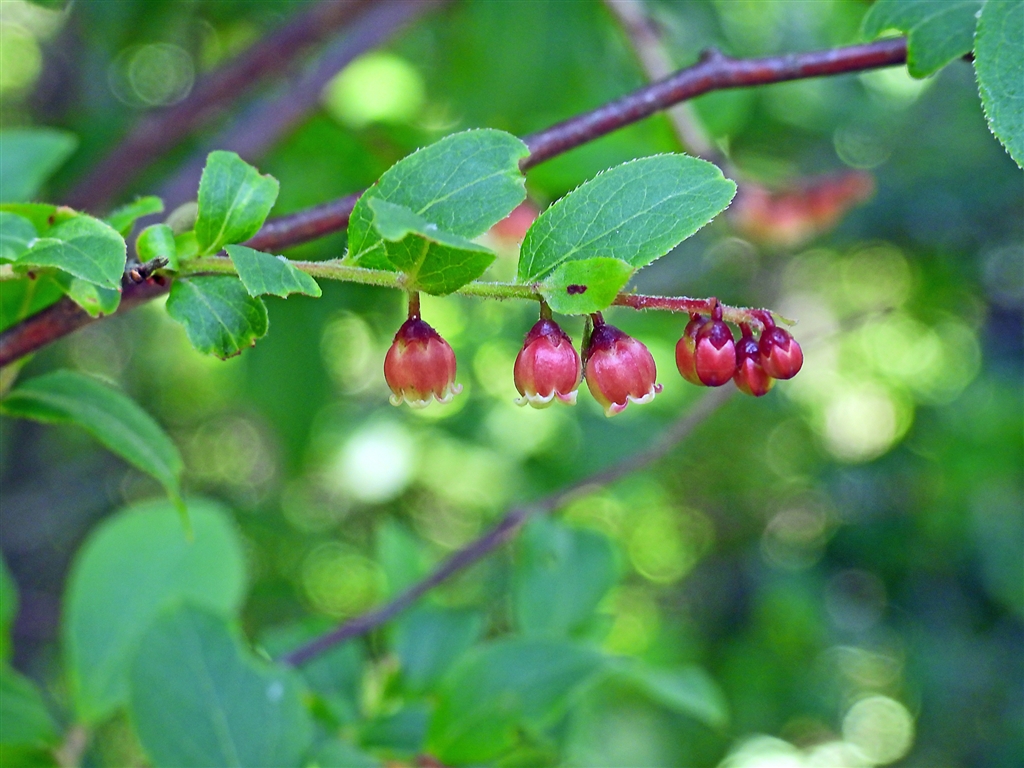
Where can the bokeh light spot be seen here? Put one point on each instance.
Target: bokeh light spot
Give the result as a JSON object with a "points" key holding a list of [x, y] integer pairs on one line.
{"points": [[376, 463], [339, 581], [879, 727], [378, 87]]}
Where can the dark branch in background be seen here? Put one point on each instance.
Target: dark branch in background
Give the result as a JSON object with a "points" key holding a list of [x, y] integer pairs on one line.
{"points": [[160, 130], [258, 128], [713, 72], [508, 527]]}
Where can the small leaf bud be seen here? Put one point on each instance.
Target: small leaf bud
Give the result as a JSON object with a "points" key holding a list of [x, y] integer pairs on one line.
{"points": [[547, 367], [619, 369], [420, 365]]}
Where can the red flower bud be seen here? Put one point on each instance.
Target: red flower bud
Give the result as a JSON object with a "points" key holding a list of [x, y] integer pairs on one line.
{"points": [[547, 367], [619, 369], [781, 356], [420, 365], [686, 348], [715, 352], [750, 377]]}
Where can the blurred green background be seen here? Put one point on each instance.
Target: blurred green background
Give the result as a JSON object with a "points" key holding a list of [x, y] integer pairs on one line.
{"points": [[842, 557]]}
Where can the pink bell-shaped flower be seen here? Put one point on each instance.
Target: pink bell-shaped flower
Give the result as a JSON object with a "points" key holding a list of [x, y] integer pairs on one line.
{"points": [[547, 367], [750, 377], [420, 366], [781, 356], [619, 369], [715, 353], [686, 349]]}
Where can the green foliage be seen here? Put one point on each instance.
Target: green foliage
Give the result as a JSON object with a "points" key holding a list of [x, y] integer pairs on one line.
{"points": [[8, 609], [82, 246], [502, 687], [687, 690], [463, 184], [137, 564], [561, 574], [635, 212], [1000, 69], [263, 274], [89, 296], [16, 232], [234, 201], [938, 31], [28, 156], [123, 219], [429, 639], [157, 241], [219, 315], [337, 753], [42, 215], [586, 285], [399, 734], [434, 261], [199, 699], [116, 421], [26, 720]]}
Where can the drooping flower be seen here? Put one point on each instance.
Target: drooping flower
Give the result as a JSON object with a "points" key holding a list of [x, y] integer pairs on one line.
{"points": [[750, 376], [420, 366], [547, 367], [686, 348], [781, 356], [619, 369], [715, 352]]}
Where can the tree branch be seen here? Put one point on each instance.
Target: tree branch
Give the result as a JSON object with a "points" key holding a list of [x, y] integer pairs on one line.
{"points": [[713, 72], [507, 528], [162, 129]]}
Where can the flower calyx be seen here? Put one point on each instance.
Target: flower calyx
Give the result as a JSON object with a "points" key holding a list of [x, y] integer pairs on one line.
{"points": [[547, 367], [619, 369]]}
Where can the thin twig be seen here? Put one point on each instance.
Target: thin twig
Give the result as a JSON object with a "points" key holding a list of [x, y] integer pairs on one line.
{"points": [[162, 129], [713, 72], [507, 528]]}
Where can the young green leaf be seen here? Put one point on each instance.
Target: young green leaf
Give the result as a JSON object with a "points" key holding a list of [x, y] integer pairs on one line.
{"points": [[464, 184], [26, 720], [234, 201], [430, 639], [123, 219], [400, 734], [219, 315], [434, 261], [581, 287], [999, 66], [501, 687], [107, 414], [635, 212], [686, 690], [938, 31], [135, 565], [21, 298], [83, 246], [8, 609], [157, 241], [561, 574], [28, 156], [16, 232], [262, 273], [198, 698], [89, 296]]}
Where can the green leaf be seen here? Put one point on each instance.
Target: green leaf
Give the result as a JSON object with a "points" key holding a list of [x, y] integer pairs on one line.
{"points": [[16, 232], [136, 564], [464, 184], [198, 698], [501, 687], [336, 753], [234, 201], [8, 609], [434, 261], [219, 315], [262, 273], [114, 419], [28, 157], [635, 212], [561, 574], [938, 31], [429, 639], [123, 219], [999, 66], [686, 690], [21, 298], [581, 287], [25, 718], [157, 242], [42, 215], [83, 246], [400, 734], [89, 296]]}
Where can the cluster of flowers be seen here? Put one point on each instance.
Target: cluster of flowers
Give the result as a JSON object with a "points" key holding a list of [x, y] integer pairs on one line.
{"points": [[619, 370]]}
